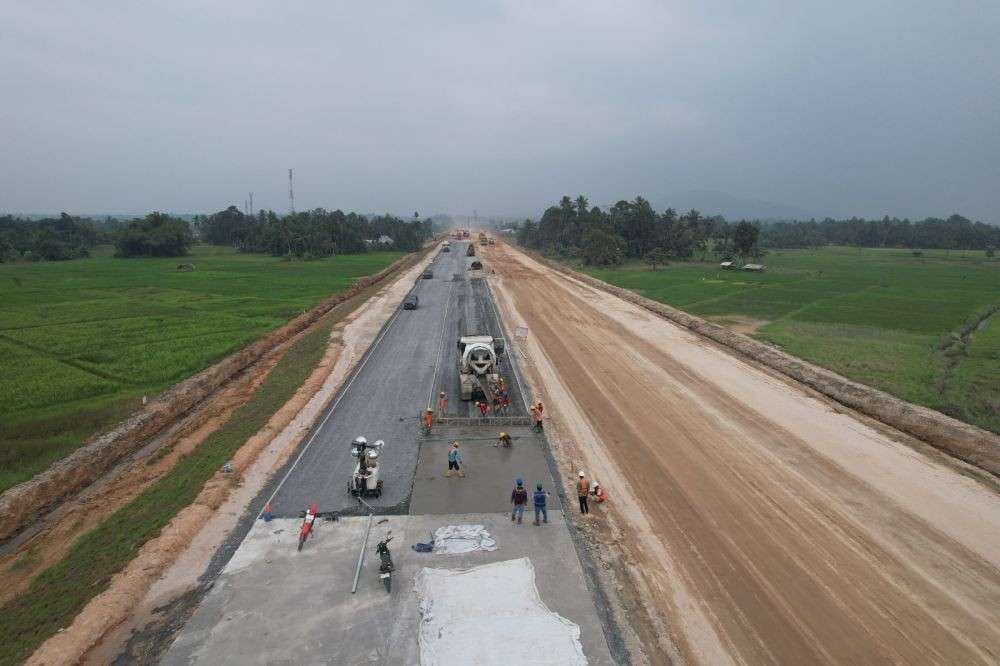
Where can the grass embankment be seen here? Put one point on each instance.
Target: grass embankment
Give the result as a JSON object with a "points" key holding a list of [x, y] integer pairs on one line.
{"points": [[84, 340], [60, 592], [900, 323]]}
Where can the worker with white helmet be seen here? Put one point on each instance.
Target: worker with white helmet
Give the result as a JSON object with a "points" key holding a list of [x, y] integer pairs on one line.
{"points": [[582, 491]]}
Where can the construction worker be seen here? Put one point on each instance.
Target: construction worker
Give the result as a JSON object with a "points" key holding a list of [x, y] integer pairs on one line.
{"points": [[536, 415], [600, 495], [540, 498], [483, 407], [582, 491], [454, 461], [518, 500], [428, 419], [505, 402], [503, 440], [442, 401]]}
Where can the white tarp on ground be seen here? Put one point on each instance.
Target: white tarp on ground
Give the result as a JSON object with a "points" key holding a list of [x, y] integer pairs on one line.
{"points": [[456, 539], [491, 614]]}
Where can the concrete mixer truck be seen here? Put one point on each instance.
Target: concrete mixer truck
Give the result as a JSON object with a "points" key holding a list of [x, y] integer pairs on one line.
{"points": [[479, 365]]}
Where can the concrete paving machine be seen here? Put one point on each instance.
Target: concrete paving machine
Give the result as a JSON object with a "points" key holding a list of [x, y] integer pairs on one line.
{"points": [[365, 482], [479, 365]]}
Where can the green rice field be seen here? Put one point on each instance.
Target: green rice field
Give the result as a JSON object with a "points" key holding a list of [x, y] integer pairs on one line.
{"points": [[917, 327], [82, 341]]}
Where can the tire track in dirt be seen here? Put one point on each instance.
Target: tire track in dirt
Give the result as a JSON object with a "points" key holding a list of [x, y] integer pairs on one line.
{"points": [[793, 554]]}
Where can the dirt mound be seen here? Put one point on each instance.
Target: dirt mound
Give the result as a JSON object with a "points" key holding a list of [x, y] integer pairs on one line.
{"points": [[962, 440]]}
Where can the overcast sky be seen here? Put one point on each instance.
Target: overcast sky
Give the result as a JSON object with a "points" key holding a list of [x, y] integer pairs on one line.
{"points": [[840, 108]]}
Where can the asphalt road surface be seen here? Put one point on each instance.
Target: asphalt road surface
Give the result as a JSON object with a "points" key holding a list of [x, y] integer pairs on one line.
{"points": [[414, 357]]}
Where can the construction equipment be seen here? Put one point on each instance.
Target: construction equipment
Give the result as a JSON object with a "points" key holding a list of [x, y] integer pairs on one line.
{"points": [[482, 238], [470, 251], [385, 567], [478, 365], [365, 481]]}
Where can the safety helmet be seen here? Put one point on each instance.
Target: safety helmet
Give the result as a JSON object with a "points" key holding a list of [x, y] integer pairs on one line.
{"points": [[430, 410], [360, 441], [441, 394], [312, 508], [582, 474], [520, 481], [503, 434], [538, 486]]}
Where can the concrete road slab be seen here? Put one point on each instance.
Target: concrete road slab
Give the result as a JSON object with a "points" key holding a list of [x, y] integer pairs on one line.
{"points": [[489, 471], [272, 604], [415, 357]]}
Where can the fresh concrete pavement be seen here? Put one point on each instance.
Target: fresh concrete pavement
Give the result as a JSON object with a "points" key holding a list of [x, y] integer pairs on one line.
{"points": [[273, 604]]}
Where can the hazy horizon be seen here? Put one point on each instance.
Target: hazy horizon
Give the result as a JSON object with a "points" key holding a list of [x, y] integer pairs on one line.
{"points": [[844, 109]]}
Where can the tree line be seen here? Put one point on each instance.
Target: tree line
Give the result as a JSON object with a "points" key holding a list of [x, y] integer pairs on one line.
{"points": [[305, 235], [952, 233], [315, 233], [50, 239], [72, 237], [634, 230]]}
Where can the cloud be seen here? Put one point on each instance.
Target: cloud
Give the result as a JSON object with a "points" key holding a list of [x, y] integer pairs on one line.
{"points": [[843, 108]]}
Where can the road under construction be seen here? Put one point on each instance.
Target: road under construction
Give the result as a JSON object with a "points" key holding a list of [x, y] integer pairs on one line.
{"points": [[751, 519], [271, 603]]}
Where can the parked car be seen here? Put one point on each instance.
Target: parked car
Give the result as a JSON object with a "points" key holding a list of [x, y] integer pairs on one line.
{"points": [[411, 302], [428, 274], [446, 248]]}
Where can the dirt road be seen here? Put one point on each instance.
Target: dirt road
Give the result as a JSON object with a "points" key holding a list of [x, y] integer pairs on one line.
{"points": [[761, 523]]}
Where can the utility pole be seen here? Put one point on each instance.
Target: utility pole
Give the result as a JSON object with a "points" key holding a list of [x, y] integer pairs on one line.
{"points": [[291, 193], [251, 204]]}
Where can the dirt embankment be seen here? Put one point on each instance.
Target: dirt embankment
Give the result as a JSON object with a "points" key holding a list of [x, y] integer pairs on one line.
{"points": [[752, 520], [23, 503], [962, 440]]}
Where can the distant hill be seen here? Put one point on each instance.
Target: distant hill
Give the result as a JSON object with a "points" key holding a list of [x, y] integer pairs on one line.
{"points": [[732, 207]]}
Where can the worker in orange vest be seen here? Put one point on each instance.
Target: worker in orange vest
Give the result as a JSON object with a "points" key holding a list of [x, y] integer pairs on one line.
{"points": [[428, 418], [442, 401], [599, 493], [582, 491]]}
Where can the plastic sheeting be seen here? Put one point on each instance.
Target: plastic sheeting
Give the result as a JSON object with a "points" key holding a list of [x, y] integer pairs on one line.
{"points": [[491, 614], [456, 539]]}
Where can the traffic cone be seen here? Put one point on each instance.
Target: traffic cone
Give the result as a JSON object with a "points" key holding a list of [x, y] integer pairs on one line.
{"points": [[267, 512]]}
